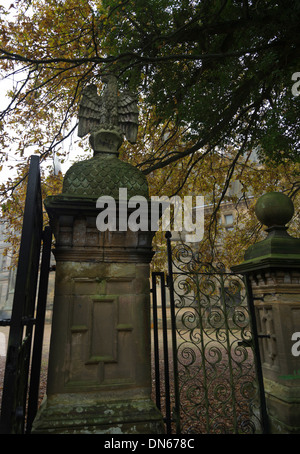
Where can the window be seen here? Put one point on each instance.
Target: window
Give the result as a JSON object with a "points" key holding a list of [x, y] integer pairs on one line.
{"points": [[228, 219]]}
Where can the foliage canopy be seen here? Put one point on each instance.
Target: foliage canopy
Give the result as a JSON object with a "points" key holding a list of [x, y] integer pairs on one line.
{"points": [[217, 76], [221, 70]]}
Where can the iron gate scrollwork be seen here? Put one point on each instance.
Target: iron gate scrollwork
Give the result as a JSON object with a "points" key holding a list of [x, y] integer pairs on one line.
{"points": [[215, 382]]}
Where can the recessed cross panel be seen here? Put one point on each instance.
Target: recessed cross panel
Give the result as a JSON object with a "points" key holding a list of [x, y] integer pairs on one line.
{"points": [[100, 337]]}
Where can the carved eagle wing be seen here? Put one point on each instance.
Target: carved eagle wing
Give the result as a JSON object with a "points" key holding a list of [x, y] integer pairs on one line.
{"points": [[128, 114], [90, 110]]}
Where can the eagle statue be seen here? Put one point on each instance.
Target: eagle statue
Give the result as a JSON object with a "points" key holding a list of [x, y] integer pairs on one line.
{"points": [[110, 110]]}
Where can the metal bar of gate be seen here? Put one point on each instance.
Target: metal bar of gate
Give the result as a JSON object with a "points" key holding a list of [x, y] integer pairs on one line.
{"points": [[166, 353], [15, 380], [156, 343], [168, 419], [173, 323], [39, 330]]}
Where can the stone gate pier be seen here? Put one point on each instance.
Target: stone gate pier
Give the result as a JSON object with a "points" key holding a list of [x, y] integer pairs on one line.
{"points": [[272, 267], [99, 377]]}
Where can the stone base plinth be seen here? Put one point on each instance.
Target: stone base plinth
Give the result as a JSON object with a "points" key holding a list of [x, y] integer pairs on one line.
{"points": [[283, 404], [85, 414]]}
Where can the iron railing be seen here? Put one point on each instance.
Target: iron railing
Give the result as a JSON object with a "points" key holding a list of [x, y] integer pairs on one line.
{"points": [[23, 359], [212, 378]]}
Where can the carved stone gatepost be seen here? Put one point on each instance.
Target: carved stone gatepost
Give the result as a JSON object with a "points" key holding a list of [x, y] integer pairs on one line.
{"points": [[99, 376], [273, 269]]}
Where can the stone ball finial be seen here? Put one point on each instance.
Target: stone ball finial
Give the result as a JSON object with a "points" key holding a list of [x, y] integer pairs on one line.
{"points": [[274, 209]]}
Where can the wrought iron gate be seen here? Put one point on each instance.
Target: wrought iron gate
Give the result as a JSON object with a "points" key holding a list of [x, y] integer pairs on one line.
{"points": [[207, 367], [23, 360]]}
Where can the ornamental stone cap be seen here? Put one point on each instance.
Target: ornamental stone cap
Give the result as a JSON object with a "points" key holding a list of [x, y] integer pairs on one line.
{"points": [[108, 119], [279, 249], [103, 175], [274, 208]]}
